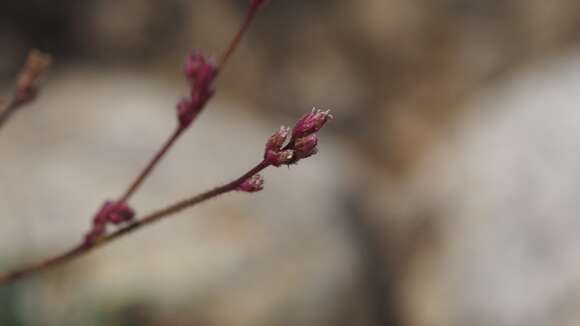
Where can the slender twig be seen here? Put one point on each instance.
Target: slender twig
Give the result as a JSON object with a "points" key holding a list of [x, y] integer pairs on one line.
{"points": [[84, 248], [279, 151], [26, 89], [6, 111], [135, 184], [254, 6], [158, 156]]}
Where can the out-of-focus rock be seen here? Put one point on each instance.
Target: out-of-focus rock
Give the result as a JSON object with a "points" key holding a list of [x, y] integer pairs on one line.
{"points": [[490, 216]]}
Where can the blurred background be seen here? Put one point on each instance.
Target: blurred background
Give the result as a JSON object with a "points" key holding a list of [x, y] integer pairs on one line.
{"points": [[445, 191]]}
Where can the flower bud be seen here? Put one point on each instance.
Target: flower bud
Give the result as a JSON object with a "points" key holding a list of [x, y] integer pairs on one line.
{"points": [[311, 123], [195, 65], [201, 73], [185, 113], [252, 184], [110, 212], [278, 139], [305, 146], [121, 212], [276, 158]]}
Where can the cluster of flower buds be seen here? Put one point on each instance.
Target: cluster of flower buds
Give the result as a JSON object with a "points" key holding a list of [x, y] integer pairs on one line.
{"points": [[252, 184], [281, 151], [110, 213], [200, 72]]}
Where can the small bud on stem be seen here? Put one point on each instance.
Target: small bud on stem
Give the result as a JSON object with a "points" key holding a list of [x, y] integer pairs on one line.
{"points": [[303, 142], [311, 123], [110, 213], [252, 184], [306, 146], [278, 139]]}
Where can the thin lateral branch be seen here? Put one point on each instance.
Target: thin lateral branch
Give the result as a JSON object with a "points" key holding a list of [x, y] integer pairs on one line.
{"points": [[151, 165], [252, 10], [83, 248], [36, 65], [136, 183]]}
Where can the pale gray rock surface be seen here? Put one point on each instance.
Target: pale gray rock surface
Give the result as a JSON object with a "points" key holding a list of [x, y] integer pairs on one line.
{"points": [[503, 190]]}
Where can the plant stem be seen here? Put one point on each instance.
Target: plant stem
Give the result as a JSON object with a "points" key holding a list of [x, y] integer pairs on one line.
{"points": [[173, 138], [36, 65], [83, 249], [7, 111], [151, 165], [236, 40]]}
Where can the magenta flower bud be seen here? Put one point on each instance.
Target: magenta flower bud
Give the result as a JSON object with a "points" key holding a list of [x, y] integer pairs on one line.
{"points": [[305, 146], [120, 213], [200, 70], [99, 226], [311, 123], [110, 212], [278, 139], [206, 74], [185, 113], [194, 64], [200, 94], [102, 216], [276, 158], [252, 184]]}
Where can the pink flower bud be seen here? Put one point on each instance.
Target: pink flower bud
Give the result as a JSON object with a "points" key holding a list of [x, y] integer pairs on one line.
{"points": [[252, 184], [185, 113], [305, 146], [120, 213], [276, 158], [102, 215], [278, 139], [198, 68], [201, 73], [110, 212], [205, 76], [311, 123]]}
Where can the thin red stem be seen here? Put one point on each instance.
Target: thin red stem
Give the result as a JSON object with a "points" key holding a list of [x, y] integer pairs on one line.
{"points": [[82, 249], [161, 153], [236, 40], [151, 165]]}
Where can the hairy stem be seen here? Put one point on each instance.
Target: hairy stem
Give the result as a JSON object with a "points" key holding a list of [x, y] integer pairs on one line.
{"points": [[83, 248]]}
